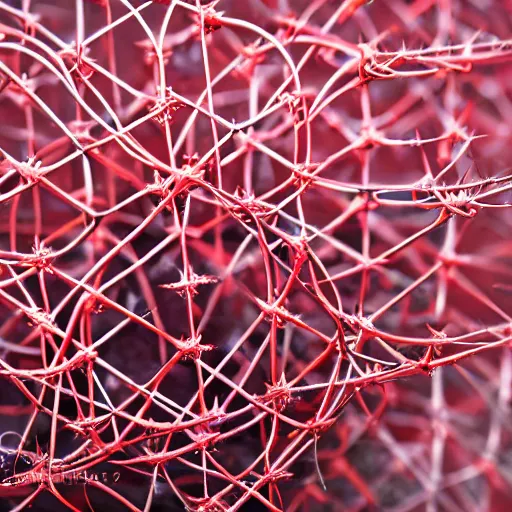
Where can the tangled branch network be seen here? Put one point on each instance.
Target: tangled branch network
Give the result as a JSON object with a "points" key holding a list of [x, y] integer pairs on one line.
{"points": [[255, 255]]}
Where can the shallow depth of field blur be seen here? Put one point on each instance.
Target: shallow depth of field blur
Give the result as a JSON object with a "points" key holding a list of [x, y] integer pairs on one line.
{"points": [[256, 255]]}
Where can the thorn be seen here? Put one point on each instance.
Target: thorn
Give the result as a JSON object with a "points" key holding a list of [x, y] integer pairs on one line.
{"points": [[317, 465]]}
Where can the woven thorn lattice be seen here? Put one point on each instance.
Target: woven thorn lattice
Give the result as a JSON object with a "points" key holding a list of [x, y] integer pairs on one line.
{"points": [[255, 255]]}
